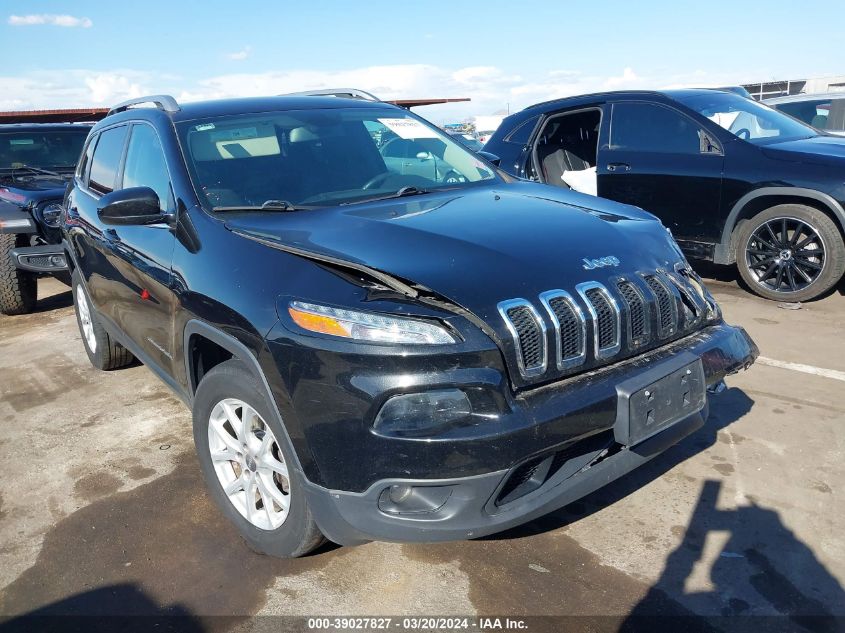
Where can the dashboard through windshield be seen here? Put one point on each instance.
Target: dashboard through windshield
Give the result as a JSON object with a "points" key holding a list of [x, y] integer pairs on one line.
{"points": [[320, 157]]}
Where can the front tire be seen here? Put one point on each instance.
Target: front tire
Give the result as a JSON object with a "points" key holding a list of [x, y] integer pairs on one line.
{"points": [[103, 352], [247, 464], [18, 288], [790, 252]]}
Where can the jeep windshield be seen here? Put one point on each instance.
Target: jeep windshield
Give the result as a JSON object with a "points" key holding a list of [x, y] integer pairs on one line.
{"points": [[41, 150], [747, 119], [322, 157]]}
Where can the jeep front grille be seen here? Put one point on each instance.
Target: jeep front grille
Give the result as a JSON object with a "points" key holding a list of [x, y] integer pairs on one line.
{"points": [[529, 334], [667, 309], [605, 317], [597, 324]]}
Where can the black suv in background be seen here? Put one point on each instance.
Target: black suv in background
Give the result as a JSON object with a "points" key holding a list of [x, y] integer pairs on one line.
{"points": [[373, 354], [36, 162], [734, 180]]}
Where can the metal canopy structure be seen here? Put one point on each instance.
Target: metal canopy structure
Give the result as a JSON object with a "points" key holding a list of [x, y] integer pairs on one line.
{"points": [[83, 115]]}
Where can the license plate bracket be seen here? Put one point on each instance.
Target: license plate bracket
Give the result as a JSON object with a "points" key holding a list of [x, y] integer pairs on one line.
{"points": [[659, 398]]}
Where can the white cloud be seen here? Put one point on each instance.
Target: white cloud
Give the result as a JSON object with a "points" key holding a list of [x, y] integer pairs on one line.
{"points": [[628, 79], [490, 88], [241, 54], [50, 18]]}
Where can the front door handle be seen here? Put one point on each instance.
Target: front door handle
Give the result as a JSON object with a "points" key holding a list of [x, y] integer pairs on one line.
{"points": [[618, 167]]}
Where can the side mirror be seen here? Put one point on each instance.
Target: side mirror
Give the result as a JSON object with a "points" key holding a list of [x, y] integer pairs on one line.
{"points": [[492, 158], [133, 206], [425, 155]]}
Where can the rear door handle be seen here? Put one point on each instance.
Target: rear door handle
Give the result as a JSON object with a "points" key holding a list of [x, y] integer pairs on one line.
{"points": [[618, 167]]}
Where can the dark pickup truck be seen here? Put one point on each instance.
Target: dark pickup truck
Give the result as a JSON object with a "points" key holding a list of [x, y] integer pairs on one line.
{"points": [[36, 163], [374, 354]]}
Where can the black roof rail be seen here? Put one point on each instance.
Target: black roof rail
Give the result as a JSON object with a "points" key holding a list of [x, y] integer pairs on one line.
{"points": [[348, 93], [162, 102]]}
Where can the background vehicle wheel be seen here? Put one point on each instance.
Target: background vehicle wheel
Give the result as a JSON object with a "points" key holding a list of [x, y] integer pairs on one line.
{"points": [[790, 252], [18, 288], [247, 466], [103, 352]]}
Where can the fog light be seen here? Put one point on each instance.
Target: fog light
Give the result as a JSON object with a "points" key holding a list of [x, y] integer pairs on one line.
{"points": [[57, 261], [413, 499], [414, 414]]}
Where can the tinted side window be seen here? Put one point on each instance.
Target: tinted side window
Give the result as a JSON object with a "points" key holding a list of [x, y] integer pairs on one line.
{"points": [[145, 165], [85, 159], [522, 134], [646, 127], [106, 160]]}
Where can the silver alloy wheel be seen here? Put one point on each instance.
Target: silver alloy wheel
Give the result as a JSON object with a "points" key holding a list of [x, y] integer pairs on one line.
{"points": [[785, 254], [85, 319], [249, 463]]}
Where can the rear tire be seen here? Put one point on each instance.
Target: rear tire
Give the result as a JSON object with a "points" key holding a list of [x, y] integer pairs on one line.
{"points": [[790, 252], [103, 352], [18, 288], [243, 468]]}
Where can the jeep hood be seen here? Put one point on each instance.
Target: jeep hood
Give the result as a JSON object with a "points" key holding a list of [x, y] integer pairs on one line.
{"points": [[478, 246]]}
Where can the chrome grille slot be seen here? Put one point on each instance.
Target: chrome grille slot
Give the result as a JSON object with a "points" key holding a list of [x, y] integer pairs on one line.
{"points": [[638, 326], [667, 309], [570, 331], [604, 312], [529, 336]]}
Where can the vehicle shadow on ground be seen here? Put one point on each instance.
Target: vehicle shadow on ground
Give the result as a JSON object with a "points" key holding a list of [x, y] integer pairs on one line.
{"points": [[54, 302], [121, 607], [760, 558], [729, 274], [725, 409]]}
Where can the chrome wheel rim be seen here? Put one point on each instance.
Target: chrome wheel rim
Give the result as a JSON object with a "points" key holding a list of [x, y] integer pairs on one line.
{"points": [[785, 255], [85, 319], [249, 463]]}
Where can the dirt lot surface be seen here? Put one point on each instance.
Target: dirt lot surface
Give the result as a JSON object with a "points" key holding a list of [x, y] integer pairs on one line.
{"points": [[102, 509]]}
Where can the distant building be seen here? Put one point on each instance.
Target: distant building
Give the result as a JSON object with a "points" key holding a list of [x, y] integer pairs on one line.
{"points": [[781, 88]]}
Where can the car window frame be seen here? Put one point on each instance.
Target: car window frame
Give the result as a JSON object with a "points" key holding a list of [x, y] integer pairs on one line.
{"points": [[119, 171], [717, 143]]}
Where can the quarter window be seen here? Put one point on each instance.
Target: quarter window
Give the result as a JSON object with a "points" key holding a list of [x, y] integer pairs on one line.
{"points": [[145, 164], [106, 160], [646, 127]]}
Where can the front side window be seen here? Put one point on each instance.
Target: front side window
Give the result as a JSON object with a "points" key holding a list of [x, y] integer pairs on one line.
{"points": [[57, 150], [647, 127], [746, 119], [322, 157], [145, 164], [106, 160]]}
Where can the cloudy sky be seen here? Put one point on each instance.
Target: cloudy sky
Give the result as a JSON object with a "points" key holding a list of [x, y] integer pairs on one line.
{"points": [[503, 55]]}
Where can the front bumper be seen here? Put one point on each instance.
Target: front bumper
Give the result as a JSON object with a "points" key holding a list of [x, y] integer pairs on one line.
{"points": [[44, 258], [455, 508]]}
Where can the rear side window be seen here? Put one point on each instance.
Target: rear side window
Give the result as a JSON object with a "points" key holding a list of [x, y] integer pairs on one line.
{"points": [[106, 160], [145, 165], [646, 127], [522, 134]]}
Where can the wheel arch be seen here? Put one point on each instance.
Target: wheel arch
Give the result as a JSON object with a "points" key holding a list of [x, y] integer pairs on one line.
{"points": [[197, 331], [764, 198]]}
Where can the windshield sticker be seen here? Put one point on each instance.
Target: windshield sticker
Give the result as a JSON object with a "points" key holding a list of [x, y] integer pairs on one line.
{"points": [[202, 127], [409, 128]]}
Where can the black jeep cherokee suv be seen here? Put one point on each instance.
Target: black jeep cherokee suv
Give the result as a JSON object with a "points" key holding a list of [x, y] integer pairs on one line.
{"points": [[734, 180], [36, 162], [371, 354]]}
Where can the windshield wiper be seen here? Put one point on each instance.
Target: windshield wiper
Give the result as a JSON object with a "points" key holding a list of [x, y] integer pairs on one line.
{"points": [[269, 205], [403, 192], [35, 170]]}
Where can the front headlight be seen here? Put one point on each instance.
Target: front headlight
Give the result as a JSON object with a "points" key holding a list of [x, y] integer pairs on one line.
{"points": [[366, 326], [51, 214]]}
